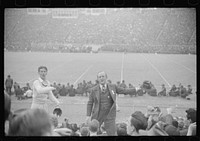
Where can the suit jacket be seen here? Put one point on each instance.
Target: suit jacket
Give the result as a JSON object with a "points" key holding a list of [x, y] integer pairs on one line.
{"points": [[93, 104]]}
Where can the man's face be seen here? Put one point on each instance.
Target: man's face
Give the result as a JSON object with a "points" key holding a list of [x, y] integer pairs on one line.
{"points": [[102, 77], [42, 72]]}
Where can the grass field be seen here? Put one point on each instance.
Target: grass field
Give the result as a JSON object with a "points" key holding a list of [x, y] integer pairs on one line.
{"points": [[133, 68]]}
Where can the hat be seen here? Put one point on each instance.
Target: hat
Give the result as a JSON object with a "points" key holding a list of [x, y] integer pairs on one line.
{"points": [[57, 111], [138, 120], [153, 110]]}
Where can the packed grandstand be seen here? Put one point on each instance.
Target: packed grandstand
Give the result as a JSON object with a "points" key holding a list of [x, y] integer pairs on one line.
{"points": [[139, 30]]}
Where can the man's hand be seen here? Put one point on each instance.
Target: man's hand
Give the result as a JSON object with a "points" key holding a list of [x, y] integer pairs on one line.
{"points": [[88, 120]]}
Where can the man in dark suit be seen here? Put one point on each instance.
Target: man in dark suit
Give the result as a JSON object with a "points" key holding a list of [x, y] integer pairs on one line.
{"points": [[9, 84], [102, 103]]}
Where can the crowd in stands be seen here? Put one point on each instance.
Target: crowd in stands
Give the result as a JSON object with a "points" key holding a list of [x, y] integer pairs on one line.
{"points": [[37, 122], [133, 30]]}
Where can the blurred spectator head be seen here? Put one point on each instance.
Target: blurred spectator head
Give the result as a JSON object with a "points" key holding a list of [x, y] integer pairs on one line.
{"points": [[8, 76], [32, 122], [122, 129], [74, 127], [181, 125], [84, 131], [191, 115], [137, 121], [7, 106], [167, 119], [94, 126]]}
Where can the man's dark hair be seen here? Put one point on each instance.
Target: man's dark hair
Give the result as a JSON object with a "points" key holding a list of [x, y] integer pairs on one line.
{"points": [[191, 114], [42, 67]]}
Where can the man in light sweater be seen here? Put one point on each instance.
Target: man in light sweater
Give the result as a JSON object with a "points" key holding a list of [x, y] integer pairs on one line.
{"points": [[42, 91]]}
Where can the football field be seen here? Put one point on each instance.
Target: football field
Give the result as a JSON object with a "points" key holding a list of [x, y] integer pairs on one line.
{"points": [[134, 68]]}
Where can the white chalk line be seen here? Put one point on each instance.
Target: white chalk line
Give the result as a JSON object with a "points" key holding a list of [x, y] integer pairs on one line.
{"points": [[82, 74], [122, 67], [158, 71], [183, 66]]}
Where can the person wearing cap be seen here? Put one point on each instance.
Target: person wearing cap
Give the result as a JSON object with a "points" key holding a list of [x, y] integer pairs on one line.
{"points": [[102, 103], [189, 90], [42, 90], [9, 84], [183, 92], [174, 91], [163, 91]]}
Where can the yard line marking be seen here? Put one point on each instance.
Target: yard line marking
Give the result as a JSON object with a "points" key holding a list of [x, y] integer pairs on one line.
{"points": [[183, 66], [157, 71], [122, 67], [82, 75]]}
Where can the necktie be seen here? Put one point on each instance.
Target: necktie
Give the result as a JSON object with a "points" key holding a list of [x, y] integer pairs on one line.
{"points": [[103, 88]]}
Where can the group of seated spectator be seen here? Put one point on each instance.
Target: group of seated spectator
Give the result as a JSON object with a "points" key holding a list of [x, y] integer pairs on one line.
{"points": [[22, 93], [37, 122], [180, 91], [83, 89]]}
